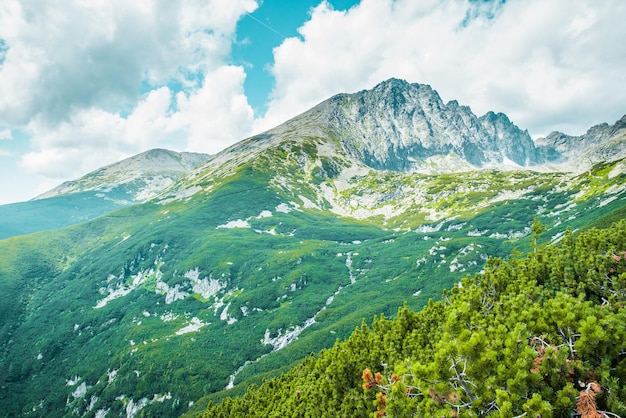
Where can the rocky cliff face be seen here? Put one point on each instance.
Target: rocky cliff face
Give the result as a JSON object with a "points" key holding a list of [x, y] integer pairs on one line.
{"points": [[401, 126]]}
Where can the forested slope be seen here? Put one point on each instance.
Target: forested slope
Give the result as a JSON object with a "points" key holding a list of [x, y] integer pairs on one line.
{"points": [[536, 335]]}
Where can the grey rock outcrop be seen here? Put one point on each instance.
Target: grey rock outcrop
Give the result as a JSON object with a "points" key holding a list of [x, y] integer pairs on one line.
{"points": [[398, 125]]}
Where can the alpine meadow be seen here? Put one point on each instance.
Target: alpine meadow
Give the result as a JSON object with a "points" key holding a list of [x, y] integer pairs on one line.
{"points": [[382, 254]]}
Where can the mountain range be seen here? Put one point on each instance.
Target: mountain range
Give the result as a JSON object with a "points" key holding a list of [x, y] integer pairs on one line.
{"points": [[211, 273]]}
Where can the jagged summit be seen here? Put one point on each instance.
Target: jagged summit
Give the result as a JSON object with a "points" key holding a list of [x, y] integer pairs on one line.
{"points": [[601, 142], [403, 126], [400, 126]]}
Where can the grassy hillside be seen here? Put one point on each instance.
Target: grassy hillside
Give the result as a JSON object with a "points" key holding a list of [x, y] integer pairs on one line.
{"points": [[541, 335], [150, 308]]}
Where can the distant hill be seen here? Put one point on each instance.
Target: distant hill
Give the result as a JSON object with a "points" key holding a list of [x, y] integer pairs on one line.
{"points": [[128, 182]]}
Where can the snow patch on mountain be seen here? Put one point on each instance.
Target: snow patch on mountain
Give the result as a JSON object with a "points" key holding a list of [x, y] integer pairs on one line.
{"points": [[172, 294], [616, 189], [72, 381], [281, 340], [307, 203], [349, 266], [264, 214], [111, 375], [205, 287], [132, 408], [619, 168], [225, 316], [92, 403], [425, 229], [102, 413], [607, 201], [271, 231], [80, 391]]}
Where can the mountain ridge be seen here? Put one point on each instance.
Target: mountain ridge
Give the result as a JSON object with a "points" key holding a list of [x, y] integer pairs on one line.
{"points": [[152, 171], [269, 251], [416, 142], [340, 131], [602, 142]]}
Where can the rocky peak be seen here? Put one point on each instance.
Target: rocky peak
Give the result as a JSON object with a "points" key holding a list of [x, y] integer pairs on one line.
{"points": [[401, 126], [602, 142]]}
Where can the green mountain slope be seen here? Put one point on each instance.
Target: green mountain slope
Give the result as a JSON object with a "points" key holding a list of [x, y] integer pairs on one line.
{"points": [[152, 307], [536, 336], [268, 252]]}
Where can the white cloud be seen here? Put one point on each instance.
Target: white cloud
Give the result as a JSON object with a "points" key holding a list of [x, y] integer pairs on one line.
{"points": [[66, 55], [93, 81], [217, 114], [206, 120], [548, 65]]}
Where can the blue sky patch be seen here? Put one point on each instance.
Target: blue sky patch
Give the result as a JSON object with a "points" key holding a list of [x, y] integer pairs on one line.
{"points": [[258, 33]]}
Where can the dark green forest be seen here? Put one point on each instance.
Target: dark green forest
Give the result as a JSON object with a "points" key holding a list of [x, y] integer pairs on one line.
{"points": [[536, 335]]}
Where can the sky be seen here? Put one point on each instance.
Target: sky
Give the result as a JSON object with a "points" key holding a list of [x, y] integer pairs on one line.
{"points": [[85, 83]]}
